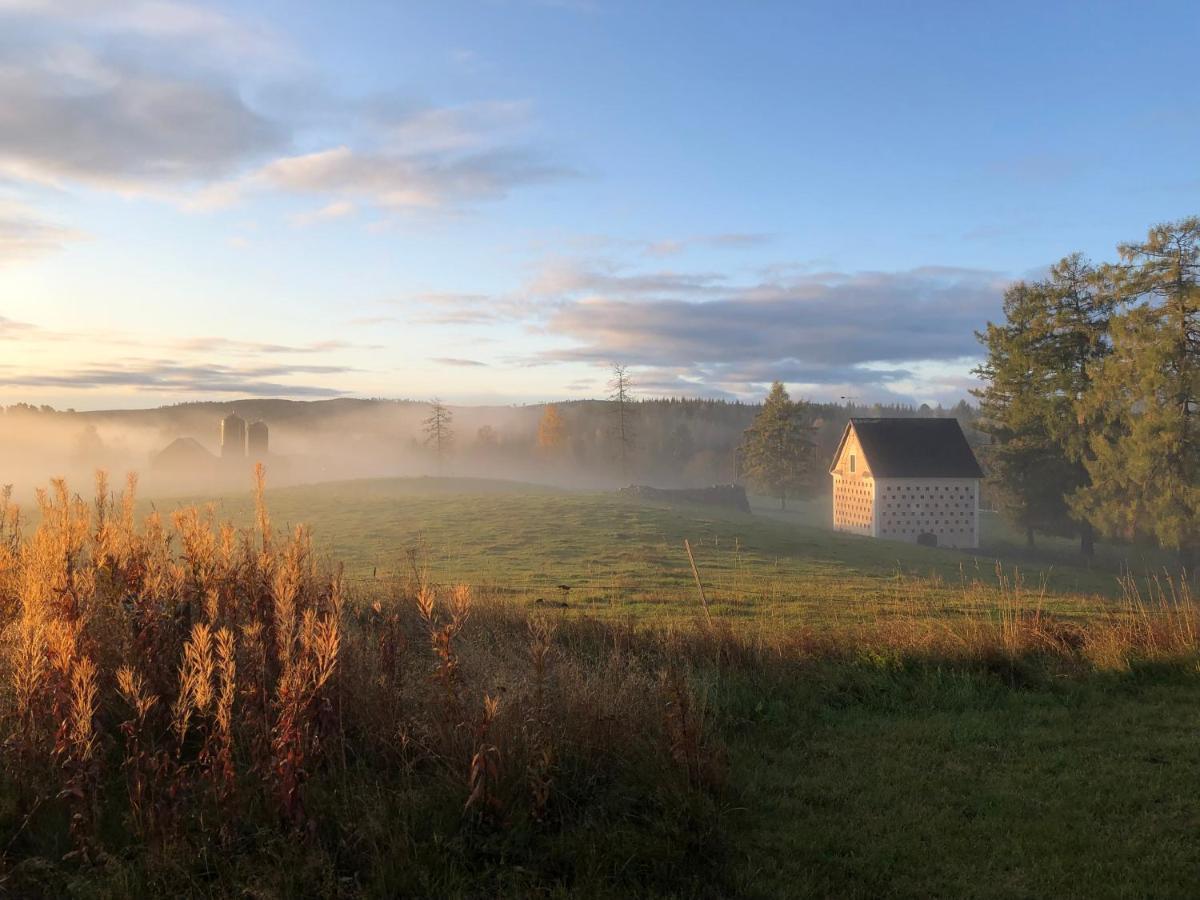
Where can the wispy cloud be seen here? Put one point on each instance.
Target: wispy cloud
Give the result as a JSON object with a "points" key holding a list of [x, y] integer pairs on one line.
{"points": [[338, 209], [162, 376], [10, 328], [394, 180], [455, 361], [191, 26], [728, 241], [25, 235]]}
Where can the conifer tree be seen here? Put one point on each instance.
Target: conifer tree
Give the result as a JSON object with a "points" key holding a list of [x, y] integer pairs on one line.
{"points": [[1145, 465], [1020, 459], [777, 451], [1039, 369]]}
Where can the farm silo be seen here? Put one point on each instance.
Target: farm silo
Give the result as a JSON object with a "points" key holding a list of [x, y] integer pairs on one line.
{"points": [[233, 437], [256, 440]]}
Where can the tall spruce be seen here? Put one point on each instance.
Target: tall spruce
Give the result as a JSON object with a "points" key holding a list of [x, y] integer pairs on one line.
{"points": [[777, 452], [1040, 366], [1145, 461]]}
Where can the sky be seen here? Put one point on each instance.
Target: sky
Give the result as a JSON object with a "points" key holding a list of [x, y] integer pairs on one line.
{"points": [[493, 201]]}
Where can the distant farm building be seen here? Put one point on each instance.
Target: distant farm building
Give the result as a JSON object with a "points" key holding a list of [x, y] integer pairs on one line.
{"points": [[913, 480], [257, 441], [183, 456], [233, 437]]}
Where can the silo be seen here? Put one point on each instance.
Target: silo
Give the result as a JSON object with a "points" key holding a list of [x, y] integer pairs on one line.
{"points": [[233, 437], [256, 440]]}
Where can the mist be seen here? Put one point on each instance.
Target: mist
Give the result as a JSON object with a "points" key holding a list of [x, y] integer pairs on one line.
{"points": [[176, 450]]}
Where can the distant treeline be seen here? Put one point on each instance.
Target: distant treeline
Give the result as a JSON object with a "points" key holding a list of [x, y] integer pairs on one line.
{"points": [[669, 442]]}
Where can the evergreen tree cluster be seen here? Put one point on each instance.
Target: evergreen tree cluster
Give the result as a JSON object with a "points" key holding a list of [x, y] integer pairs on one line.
{"points": [[1092, 392]]}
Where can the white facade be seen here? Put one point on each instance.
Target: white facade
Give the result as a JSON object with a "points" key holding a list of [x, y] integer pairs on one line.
{"points": [[946, 508]]}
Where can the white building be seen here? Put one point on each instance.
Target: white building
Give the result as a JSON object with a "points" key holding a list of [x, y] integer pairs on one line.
{"points": [[913, 480]]}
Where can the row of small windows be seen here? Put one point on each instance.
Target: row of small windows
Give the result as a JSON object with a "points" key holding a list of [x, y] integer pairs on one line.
{"points": [[927, 512], [924, 530], [937, 488], [933, 506], [925, 522]]}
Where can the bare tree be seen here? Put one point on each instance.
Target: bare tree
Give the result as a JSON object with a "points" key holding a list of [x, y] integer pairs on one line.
{"points": [[621, 396], [438, 433]]}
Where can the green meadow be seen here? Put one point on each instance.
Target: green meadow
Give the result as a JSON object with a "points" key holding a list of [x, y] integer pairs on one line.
{"points": [[619, 557]]}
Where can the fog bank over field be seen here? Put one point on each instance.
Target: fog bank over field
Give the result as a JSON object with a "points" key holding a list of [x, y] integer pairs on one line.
{"points": [[675, 443]]}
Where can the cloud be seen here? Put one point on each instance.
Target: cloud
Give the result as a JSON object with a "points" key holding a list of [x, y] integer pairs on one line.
{"points": [[205, 345], [74, 116], [454, 361], [172, 377], [398, 181], [707, 333], [338, 209], [568, 278], [24, 235], [445, 308], [728, 241], [254, 348], [200, 365], [149, 97], [10, 328], [190, 26], [414, 129], [834, 330], [868, 317]]}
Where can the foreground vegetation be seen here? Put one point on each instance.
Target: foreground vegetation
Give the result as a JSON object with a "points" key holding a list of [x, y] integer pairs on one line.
{"points": [[194, 708]]}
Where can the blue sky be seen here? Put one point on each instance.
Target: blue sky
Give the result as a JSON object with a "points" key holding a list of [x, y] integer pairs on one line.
{"points": [[492, 201]]}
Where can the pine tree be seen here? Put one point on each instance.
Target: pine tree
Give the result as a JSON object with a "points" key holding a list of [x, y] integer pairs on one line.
{"points": [[1019, 477], [1145, 465], [777, 451], [1039, 368]]}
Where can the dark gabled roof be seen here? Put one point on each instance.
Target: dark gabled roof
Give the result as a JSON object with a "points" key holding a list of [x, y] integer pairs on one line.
{"points": [[913, 448], [184, 451]]}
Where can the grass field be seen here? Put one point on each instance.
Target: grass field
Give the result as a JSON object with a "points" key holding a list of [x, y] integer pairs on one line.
{"points": [[860, 778], [861, 719], [622, 557]]}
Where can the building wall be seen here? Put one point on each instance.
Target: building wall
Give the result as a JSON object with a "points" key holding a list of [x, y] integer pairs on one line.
{"points": [[233, 437], [947, 508], [257, 438], [854, 492]]}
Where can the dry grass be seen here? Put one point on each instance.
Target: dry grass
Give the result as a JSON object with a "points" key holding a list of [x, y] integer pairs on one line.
{"points": [[179, 692]]}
